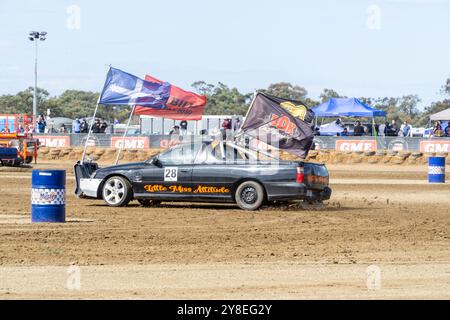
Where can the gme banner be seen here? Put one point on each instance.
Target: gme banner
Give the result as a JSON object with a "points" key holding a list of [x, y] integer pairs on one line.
{"points": [[356, 145], [181, 105], [130, 142], [434, 146], [54, 141]]}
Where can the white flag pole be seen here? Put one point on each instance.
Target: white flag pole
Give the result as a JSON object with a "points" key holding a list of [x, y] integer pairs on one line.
{"points": [[240, 132], [93, 120], [124, 134], [90, 130]]}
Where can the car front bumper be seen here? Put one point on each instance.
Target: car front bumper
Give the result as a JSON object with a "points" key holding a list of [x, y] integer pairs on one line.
{"points": [[89, 187]]}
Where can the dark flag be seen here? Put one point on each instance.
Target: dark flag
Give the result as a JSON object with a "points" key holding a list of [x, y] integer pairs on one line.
{"points": [[282, 123]]}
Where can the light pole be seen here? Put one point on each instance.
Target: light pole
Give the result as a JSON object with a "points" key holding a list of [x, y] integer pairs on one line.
{"points": [[35, 36]]}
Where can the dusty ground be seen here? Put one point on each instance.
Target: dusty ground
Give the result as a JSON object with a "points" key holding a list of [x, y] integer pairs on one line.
{"points": [[383, 222]]}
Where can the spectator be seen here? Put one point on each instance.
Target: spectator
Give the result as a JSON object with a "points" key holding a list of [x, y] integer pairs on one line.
{"points": [[237, 124], [344, 133], [6, 130], [358, 130], [84, 128], [41, 124], [447, 130], [63, 129], [20, 129], [437, 130], [96, 127], [103, 125], [183, 127], [316, 130], [226, 124], [382, 129], [76, 126], [406, 129], [175, 131], [392, 129]]}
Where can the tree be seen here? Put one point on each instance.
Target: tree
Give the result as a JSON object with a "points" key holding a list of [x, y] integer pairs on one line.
{"points": [[445, 89], [408, 105], [22, 102], [223, 100], [287, 90], [327, 94]]}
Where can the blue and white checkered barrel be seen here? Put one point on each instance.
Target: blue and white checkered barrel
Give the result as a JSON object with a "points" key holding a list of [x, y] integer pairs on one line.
{"points": [[48, 196], [436, 170]]}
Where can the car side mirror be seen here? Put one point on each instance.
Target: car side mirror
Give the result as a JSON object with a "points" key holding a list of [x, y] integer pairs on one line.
{"points": [[155, 161]]}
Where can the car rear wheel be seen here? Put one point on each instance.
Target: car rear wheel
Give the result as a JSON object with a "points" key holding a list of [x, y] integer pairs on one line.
{"points": [[249, 195], [117, 192], [148, 203]]}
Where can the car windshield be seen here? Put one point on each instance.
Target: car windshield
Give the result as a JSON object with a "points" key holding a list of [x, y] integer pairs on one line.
{"points": [[181, 154]]}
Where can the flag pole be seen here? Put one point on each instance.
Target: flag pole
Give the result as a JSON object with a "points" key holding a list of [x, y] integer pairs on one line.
{"points": [[240, 133], [92, 122], [124, 134], [90, 130]]}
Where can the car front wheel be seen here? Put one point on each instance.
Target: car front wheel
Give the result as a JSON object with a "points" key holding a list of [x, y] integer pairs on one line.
{"points": [[249, 195], [117, 192]]}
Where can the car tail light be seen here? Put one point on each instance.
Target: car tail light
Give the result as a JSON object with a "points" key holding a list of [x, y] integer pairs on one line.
{"points": [[300, 174]]}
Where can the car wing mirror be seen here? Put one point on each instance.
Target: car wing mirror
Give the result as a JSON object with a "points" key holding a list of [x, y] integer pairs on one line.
{"points": [[155, 161]]}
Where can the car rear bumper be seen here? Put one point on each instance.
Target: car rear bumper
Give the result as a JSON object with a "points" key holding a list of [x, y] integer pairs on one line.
{"points": [[296, 191]]}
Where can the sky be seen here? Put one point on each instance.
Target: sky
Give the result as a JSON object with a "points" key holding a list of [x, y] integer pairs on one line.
{"points": [[356, 47]]}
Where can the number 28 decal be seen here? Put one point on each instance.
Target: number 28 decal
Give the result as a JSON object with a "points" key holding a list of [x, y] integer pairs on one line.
{"points": [[171, 174]]}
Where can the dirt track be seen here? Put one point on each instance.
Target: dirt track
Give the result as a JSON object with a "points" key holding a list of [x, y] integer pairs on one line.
{"points": [[387, 216]]}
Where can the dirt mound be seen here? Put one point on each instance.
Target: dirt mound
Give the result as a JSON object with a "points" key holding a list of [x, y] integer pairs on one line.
{"points": [[95, 154], [322, 156]]}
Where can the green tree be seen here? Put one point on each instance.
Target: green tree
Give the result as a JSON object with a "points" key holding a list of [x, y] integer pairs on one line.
{"points": [[22, 102], [221, 99], [327, 94], [408, 106], [287, 90], [445, 89]]}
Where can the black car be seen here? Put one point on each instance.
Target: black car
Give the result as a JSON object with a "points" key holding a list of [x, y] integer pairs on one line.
{"points": [[211, 171]]}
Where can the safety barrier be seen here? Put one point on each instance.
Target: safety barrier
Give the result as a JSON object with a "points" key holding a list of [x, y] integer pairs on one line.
{"points": [[364, 143]]}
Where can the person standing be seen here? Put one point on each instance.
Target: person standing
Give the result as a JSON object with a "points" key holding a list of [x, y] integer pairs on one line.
{"points": [[382, 129], [175, 131], [358, 130], [183, 127], [103, 126], [84, 128], [437, 130], [447, 130], [96, 127], [392, 129], [76, 126], [406, 130]]}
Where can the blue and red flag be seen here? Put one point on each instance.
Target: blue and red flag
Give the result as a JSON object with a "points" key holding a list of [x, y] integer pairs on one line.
{"points": [[122, 88]]}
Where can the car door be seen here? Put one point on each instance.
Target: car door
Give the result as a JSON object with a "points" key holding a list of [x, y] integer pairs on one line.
{"points": [[215, 172], [169, 175]]}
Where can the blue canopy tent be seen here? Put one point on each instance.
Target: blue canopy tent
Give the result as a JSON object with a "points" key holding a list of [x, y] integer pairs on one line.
{"points": [[347, 107]]}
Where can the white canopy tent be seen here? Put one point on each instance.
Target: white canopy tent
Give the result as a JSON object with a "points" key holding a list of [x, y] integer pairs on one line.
{"points": [[443, 115]]}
